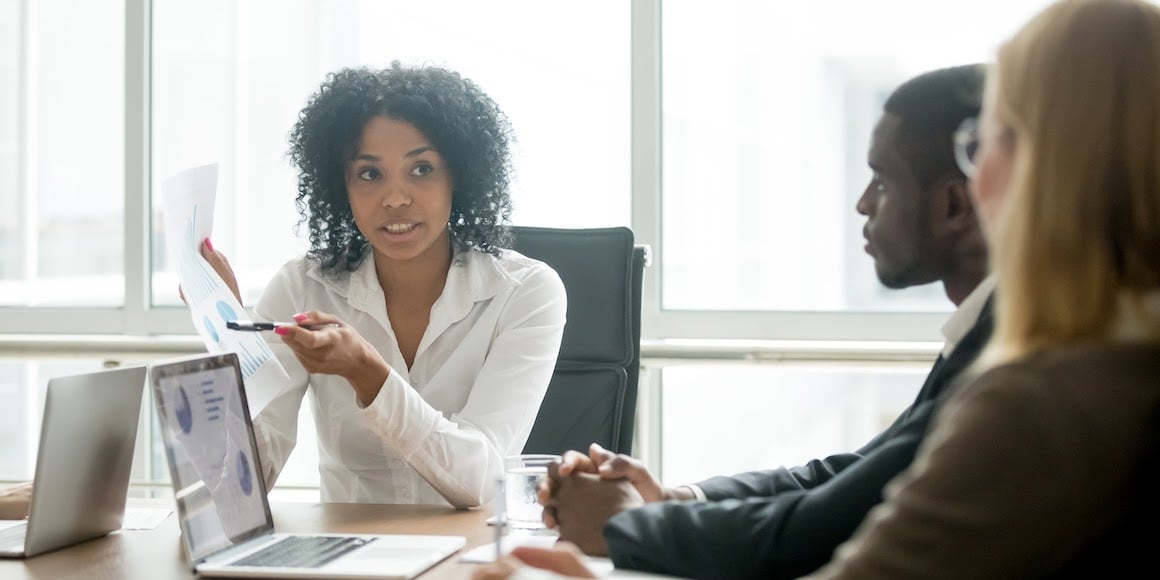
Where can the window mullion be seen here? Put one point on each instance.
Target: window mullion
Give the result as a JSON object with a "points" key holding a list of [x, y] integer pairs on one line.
{"points": [[137, 166], [645, 42], [30, 148]]}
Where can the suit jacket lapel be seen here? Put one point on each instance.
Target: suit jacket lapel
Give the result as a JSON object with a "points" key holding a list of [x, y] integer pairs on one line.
{"points": [[946, 369], [943, 375], [962, 356]]}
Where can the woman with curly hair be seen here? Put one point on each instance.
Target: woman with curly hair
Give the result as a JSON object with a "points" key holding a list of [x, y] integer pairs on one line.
{"points": [[427, 347]]}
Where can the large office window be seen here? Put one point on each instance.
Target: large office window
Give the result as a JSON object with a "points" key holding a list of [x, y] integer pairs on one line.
{"points": [[763, 416], [230, 77], [61, 153], [768, 110]]}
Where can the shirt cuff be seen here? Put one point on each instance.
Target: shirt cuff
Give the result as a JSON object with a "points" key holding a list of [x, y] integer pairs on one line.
{"points": [[697, 492]]}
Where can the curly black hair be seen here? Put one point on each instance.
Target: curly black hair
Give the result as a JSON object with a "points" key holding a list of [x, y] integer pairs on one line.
{"points": [[464, 125]]}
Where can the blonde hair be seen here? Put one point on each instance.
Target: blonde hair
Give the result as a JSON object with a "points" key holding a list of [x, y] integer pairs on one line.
{"points": [[1078, 88]]}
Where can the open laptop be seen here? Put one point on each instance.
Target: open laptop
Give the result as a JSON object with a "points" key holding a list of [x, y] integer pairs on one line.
{"points": [[83, 462], [225, 518]]}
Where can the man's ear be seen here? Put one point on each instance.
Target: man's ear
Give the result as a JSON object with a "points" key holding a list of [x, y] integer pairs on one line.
{"points": [[956, 213]]}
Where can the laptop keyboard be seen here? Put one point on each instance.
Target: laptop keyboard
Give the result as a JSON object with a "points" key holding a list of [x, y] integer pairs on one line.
{"points": [[13, 538], [302, 551]]}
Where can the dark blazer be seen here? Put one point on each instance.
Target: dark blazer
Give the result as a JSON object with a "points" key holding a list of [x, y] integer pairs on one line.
{"points": [[784, 522]]}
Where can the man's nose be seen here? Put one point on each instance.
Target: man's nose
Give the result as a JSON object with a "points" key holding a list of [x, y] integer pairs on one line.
{"points": [[864, 205]]}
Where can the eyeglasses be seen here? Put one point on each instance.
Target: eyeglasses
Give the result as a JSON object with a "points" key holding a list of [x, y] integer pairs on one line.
{"points": [[967, 145]]}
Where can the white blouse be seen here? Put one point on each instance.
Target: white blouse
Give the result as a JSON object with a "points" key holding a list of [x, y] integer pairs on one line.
{"points": [[437, 432]]}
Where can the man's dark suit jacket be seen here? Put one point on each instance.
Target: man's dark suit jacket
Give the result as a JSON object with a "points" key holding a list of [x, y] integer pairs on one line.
{"points": [[784, 522]]}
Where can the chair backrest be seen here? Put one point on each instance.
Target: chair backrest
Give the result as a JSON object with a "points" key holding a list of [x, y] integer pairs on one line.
{"points": [[592, 396]]}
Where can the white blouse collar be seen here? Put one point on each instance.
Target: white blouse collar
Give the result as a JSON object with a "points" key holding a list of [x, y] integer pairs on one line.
{"points": [[473, 277]]}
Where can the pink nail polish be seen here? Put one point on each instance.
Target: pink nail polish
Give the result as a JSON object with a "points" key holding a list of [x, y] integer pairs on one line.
{"points": [[280, 330], [208, 245], [299, 317]]}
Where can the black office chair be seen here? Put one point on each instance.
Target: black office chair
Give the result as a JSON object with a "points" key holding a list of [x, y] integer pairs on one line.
{"points": [[592, 396]]}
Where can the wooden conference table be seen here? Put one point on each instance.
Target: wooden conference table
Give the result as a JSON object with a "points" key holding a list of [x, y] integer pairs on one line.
{"points": [[158, 553]]}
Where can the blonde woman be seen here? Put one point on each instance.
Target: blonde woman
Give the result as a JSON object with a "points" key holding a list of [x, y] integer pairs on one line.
{"points": [[1048, 464]]}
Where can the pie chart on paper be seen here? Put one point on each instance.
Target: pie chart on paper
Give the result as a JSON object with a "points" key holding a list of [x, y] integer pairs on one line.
{"points": [[208, 324], [225, 311]]}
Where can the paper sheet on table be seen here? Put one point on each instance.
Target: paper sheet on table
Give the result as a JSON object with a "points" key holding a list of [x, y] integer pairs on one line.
{"points": [[144, 518], [188, 204]]}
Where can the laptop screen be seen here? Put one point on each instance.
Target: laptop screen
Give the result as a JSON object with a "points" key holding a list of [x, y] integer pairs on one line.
{"points": [[209, 444]]}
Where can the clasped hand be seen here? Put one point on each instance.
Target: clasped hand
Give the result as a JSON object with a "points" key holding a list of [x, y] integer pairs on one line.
{"points": [[582, 492]]}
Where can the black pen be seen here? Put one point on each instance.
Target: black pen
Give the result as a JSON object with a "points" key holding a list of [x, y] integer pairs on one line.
{"points": [[251, 326]]}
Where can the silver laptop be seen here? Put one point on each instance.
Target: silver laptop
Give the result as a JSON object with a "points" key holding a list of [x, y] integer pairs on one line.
{"points": [[221, 495], [83, 462]]}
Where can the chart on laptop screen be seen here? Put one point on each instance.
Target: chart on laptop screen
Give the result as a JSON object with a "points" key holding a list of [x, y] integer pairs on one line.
{"points": [[204, 424]]}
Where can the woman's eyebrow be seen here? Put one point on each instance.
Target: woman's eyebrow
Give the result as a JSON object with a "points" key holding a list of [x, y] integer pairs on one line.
{"points": [[420, 150]]}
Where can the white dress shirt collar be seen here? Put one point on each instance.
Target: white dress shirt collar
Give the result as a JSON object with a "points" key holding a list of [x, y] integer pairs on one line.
{"points": [[964, 318]]}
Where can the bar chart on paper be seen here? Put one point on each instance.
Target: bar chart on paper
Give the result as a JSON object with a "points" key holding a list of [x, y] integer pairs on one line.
{"points": [[252, 362], [197, 279]]}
